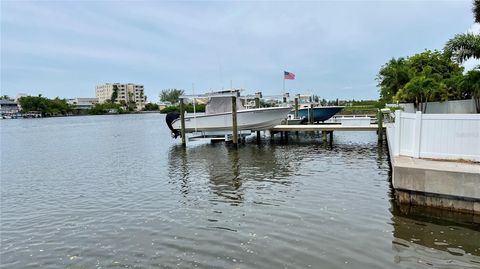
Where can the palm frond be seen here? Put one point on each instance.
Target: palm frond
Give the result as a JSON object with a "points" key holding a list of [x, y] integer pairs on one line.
{"points": [[463, 47], [476, 10]]}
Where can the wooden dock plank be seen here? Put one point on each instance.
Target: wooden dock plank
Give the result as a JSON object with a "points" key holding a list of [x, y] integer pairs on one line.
{"points": [[323, 127]]}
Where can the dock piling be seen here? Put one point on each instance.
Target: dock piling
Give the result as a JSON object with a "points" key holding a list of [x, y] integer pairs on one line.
{"points": [[380, 125], [310, 114], [182, 122], [296, 107], [234, 121]]}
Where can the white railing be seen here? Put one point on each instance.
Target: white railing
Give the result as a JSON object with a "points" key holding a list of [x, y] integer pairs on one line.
{"points": [[436, 136]]}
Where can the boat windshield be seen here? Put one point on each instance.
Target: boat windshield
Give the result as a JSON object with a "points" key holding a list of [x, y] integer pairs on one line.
{"points": [[221, 104]]}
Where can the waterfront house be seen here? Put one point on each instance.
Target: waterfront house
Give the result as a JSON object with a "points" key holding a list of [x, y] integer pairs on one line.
{"points": [[83, 103], [8, 107]]}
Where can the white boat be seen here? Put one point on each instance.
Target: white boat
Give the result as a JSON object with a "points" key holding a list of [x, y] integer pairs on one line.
{"points": [[218, 117]]}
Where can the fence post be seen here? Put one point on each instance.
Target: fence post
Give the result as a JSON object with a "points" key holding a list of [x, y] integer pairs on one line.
{"points": [[417, 135], [396, 140]]}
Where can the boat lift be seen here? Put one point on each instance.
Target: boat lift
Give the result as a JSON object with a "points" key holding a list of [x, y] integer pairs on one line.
{"points": [[215, 136], [228, 136]]}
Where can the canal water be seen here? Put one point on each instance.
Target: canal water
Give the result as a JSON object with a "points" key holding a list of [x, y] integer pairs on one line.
{"points": [[119, 192]]}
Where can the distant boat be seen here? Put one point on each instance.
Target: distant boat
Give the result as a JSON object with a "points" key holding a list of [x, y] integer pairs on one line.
{"points": [[320, 114], [218, 117]]}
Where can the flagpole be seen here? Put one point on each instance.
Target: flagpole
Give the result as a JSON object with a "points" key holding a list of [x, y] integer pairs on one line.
{"points": [[283, 82]]}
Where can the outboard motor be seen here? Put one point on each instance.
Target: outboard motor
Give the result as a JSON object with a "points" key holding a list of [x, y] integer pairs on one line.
{"points": [[172, 116]]}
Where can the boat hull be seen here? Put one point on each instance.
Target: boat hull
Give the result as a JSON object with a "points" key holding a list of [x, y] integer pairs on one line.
{"points": [[248, 119], [319, 113]]}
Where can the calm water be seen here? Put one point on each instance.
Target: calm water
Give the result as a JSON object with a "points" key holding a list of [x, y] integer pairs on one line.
{"points": [[118, 192]]}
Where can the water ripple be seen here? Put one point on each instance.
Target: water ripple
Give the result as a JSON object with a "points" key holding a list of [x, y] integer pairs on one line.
{"points": [[117, 192]]}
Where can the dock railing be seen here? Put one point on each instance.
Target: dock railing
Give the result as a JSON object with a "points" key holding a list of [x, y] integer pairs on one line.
{"points": [[435, 136]]}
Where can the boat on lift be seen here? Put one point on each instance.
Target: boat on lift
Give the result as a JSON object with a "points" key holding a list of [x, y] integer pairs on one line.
{"points": [[320, 113], [218, 116]]}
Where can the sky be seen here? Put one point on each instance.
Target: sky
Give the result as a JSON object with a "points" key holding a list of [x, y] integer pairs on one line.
{"points": [[335, 48]]}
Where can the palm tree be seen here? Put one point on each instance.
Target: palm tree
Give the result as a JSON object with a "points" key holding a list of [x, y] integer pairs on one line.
{"points": [[392, 77], [476, 10], [463, 47]]}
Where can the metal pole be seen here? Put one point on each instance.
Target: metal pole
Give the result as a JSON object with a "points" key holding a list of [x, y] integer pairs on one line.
{"points": [[194, 109], [234, 121], [182, 122]]}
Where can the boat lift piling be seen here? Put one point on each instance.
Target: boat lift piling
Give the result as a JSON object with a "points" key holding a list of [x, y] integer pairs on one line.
{"points": [[258, 95], [380, 125], [296, 106], [310, 114], [182, 122], [234, 122]]}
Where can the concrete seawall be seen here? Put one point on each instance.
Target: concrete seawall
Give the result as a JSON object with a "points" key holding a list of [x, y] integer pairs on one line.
{"points": [[453, 185]]}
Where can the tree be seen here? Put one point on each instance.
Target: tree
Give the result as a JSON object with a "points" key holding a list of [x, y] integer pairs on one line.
{"points": [[44, 105], [463, 47], [114, 94], [5, 97], [422, 89], [392, 77], [420, 78], [151, 107], [476, 10], [471, 86], [171, 95]]}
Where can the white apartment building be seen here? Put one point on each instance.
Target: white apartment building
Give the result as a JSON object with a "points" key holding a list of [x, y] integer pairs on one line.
{"points": [[125, 93]]}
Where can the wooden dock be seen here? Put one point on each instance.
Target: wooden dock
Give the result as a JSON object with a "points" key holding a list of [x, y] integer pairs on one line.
{"points": [[323, 127]]}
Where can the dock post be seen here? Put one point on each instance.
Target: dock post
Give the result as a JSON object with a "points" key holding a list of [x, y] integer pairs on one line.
{"points": [[281, 136], [310, 114], [296, 107], [258, 136], [331, 137], [234, 121], [182, 122], [324, 136], [380, 125], [286, 136]]}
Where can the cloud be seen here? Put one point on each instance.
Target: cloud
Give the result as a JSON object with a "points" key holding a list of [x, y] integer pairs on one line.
{"points": [[172, 44]]}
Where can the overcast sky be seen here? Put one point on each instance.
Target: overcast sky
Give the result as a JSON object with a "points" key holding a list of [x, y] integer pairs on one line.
{"points": [[64, 49]]}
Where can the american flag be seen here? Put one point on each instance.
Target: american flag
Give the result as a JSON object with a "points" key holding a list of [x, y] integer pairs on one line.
{"points": [[288, 75]]}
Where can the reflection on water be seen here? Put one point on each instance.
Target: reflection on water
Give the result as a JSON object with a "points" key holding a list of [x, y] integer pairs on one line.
{"points": [[435, 237], [227, 169], [117, 192]]}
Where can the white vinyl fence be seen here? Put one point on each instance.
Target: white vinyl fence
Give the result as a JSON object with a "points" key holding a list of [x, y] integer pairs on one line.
{"points": [[450, 107], [436, 136]]}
